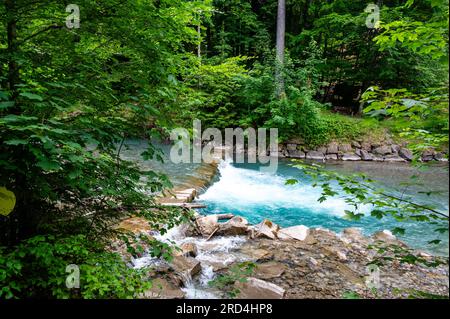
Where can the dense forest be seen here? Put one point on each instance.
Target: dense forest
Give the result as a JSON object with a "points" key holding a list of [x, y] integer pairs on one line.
{"points": [[73, 88]]}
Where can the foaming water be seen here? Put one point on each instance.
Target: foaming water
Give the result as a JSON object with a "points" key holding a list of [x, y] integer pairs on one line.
{"points": [[244, 190], [210, 253], [241, 189]]}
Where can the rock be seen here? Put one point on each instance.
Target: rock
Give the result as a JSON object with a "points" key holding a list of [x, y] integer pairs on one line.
{"points": [[441, 157], [395, 148], [235, 226], [322, 150], [297, 140], [366, 146], [207, 224], [393, 158], [297, 154], [333, 148], [136, 225], [353, 234], [331, 157], [345, 148], [291, 147], [315, 155], [358, 152], [428, 155], [406, 154], [366, 156], [266, 229], [254, 288], [186, 265], [257, 254], [163, 289], [278, 154], [377, 158], [350, 157], [356, 144], [189, 249], [384, 235], [299, 232], [382, 150], [269, 270]]}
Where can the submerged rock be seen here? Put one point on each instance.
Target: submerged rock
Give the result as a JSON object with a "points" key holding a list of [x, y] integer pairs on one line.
{"points": [[254, 288]]}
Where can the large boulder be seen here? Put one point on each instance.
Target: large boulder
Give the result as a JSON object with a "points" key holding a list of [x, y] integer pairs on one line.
{"points": [[299, 232], [291, 147], [315, 155], [333, 148], [345, 148], [207, 224], [366, 156], [296, 154], [163, 289], [235, 226], [382, 150], [350, 157], [266, 229], [441, 157], [254, 288], [356, 144], [333, 157], [428, 155], [366, 146], [186, 265]]}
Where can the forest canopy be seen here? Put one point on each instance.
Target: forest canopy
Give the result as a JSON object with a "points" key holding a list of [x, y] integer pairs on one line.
{"points": [[138, 68]]}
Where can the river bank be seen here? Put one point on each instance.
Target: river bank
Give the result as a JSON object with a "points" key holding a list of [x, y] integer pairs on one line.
{"points": [[288, 262]]}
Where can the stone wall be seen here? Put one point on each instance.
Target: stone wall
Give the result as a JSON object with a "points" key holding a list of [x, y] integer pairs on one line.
{"points": [[387, 151]]}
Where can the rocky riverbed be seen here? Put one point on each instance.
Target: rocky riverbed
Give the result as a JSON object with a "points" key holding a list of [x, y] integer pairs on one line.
{"points": [[293, 262]]}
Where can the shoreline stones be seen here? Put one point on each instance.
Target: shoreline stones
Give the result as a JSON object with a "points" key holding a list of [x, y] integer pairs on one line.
{"points": [[254, 288], [386, 151], [299, 262]]}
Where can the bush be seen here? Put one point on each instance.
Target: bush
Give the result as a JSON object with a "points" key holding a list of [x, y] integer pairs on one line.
{"points": [[36, 268]]}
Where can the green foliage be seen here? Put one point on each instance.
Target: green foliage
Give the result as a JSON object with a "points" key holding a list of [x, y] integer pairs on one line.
{"points": [[358, 190], [36, 268], [236, 273], [426, 114]]}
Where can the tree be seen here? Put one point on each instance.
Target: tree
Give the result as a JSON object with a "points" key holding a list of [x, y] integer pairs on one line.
{"points": [[280, 47]]}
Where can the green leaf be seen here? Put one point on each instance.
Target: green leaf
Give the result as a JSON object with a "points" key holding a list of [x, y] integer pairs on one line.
{"points": [[7, 201], [32, 96], [5, 105], [47, 165], [291, 181], [16, 142]]}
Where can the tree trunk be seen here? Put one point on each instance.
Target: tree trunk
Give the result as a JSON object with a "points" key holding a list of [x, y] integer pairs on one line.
{"points": [[11, 29], [279, 61]]}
